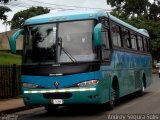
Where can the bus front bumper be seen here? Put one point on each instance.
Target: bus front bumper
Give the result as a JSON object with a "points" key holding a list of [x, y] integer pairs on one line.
{"points": [[65, 96]]}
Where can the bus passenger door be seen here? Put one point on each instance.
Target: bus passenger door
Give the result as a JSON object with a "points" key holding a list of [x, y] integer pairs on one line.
{"points": [[106, 59], [106, 44]]}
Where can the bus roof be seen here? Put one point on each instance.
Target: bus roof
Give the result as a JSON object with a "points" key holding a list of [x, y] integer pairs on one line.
{"points": [[79, 15], [66, 16]]}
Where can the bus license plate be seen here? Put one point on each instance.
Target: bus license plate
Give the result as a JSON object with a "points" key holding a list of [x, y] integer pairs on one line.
{"points": [[57, 101]]}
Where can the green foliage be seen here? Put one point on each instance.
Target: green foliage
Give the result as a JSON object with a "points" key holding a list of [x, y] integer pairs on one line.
{"points": [[8, 58], [155, 11], [130, 7], [4, 9], [4, 1], [141, 14], [153, 27], [19, 18]]}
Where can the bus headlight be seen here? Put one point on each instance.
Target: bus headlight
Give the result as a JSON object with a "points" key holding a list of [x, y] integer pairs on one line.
{"points": [[88, 83], [29, 85]]}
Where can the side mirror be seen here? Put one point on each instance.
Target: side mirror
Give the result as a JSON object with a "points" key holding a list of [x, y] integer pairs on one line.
{"points": [[97, 34], [13, 38]]}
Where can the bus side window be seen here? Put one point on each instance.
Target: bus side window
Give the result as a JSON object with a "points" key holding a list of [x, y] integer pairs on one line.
{"points": [[145, 44], [106, 45], [105, 39], [115, 30], [133, 40], [126, 38], [149, 45], [140, 43]]}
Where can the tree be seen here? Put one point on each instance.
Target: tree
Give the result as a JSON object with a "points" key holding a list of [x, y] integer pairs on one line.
{"points": [[4, 9], [19, 18], [130, 7], [155, 11], [151, 26], [4, 1], [141, 14]]}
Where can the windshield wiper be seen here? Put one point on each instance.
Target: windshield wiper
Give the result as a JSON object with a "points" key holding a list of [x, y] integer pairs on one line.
{"points": [[69, 55], [65, 51]]}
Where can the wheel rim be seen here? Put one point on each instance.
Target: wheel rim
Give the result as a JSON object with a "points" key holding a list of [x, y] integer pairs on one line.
{"points": [[142, 87]]}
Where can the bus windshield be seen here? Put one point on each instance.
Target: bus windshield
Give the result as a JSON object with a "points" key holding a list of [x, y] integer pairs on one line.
{"points": [[60, 42]]}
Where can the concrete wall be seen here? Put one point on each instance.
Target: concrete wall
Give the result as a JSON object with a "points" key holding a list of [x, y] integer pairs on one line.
{"points": [[4, 43]]}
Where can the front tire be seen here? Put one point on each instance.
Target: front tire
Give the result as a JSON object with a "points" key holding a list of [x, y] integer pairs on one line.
{"points": [[111, 103]]}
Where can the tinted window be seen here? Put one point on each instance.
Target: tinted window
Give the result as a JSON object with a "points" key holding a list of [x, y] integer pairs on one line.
{"points": [[148, 44], [126, 38], [140, 43], [145, 44], [40, 43], [116, 35], [60, 42], [105, 39], [133, 40], [106, 52]]}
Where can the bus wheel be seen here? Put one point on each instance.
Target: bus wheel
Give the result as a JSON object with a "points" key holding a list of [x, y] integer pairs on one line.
{"points": [[141, 91], [51, 109], [111, 103]]}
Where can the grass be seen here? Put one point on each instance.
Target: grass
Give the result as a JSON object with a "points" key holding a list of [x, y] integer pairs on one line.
{"points": [[8, 58]]}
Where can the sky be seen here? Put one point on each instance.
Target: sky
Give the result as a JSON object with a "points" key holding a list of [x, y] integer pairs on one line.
{"points": [[54, 5]]}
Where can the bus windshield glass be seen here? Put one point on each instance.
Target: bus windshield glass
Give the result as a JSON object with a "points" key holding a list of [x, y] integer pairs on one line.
{"points": [[60, 42]]}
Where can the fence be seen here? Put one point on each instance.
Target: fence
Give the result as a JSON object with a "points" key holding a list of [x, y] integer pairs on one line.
{"points": [[10, 85]]}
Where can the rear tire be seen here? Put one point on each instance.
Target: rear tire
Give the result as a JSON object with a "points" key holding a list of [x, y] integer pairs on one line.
{"points": [[141, 91], [51, 109]]}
